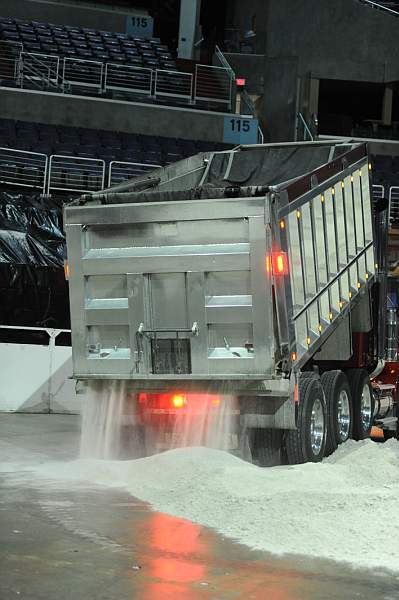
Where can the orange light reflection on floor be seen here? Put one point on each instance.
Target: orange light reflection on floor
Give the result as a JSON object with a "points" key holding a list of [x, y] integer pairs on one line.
{"points": [[181, 562], [175, 561]]}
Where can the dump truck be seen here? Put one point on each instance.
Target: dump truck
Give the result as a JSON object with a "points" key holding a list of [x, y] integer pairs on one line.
{"points": [[254, 277]]}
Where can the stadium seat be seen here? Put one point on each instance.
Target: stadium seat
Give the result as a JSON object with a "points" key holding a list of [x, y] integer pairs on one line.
{"points": [[47, 37], [82, 142]]}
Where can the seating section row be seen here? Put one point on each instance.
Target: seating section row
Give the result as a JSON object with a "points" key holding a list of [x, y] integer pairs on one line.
{"points": [[385, 170], [87, 44], [92, 143]]}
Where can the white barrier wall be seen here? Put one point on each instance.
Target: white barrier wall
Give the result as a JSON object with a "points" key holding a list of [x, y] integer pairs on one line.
{"points": [[37, 378]]}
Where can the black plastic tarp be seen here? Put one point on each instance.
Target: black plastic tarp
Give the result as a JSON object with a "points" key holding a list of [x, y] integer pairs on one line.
{"points": [[33, 290], [30, 231]]}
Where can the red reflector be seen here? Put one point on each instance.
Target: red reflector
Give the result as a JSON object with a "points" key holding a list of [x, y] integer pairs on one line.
{"points": [[296, 394], [240, 81], [278, 263]]}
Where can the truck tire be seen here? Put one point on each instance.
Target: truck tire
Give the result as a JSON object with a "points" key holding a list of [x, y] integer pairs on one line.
{"points": [[261, 446], [307, 442], [339, 409], [362, 402], [268, 446]]}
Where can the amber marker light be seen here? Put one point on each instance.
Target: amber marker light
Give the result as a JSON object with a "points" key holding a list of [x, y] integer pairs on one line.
{"points": [[66, 270]]}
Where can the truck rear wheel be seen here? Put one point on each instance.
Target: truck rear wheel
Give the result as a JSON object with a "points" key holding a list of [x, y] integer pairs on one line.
{"points": [[307, 442], [363, 402], [268, 444], [339, 409], [261, 446]]}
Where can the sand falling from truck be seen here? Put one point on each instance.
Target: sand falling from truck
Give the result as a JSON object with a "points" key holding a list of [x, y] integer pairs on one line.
{"points": [[112, 427]]}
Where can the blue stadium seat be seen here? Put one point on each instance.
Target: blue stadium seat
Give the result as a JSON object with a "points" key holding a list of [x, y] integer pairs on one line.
{"points": [[89, 143], [65, 40]]}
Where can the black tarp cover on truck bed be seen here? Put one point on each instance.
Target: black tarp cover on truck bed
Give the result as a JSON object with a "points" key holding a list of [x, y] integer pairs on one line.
{"points": [[264, 166], [243, 170]]}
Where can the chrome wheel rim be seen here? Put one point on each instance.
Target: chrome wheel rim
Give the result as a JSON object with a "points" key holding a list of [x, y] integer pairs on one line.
{"points": [[317, 427], [343, 416], [365, 407]]}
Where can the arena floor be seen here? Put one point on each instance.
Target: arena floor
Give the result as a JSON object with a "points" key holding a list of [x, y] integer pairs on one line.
{"points": [[86, 542]]}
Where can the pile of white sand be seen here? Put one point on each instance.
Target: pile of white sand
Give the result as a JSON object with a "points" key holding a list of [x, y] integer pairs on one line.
{"points": [[346, 508]]}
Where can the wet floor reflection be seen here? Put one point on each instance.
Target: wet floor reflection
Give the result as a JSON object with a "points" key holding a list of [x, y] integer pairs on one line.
{"points": [[182, 560]]}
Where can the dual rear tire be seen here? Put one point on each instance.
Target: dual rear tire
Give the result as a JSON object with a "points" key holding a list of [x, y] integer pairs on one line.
{"points": [[362, 402], [307, 442], [331, 409], [348, 413], [339, 409]]}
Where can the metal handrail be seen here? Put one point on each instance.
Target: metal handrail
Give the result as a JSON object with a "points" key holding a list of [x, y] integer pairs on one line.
{"points": [[225, 63], [380, 7], [73, 77], [206, 90], [393, 198], [24, 158], [39, 62], [378, 190], [52, 332], [113, 71], [301, 119], [180, 77], [64, 82], [39, 70], [79, 161], [247, 101], [31, 73], [28, 328], [223, 60], [15, 48], [113, 163]]}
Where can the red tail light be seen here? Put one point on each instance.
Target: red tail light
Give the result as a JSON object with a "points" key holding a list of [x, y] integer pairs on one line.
{"points": [[277, 263], [178, 401]]}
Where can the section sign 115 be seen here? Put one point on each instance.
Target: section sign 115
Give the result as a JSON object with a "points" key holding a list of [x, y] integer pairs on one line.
{"points": [[240, 130], [140, 26]]}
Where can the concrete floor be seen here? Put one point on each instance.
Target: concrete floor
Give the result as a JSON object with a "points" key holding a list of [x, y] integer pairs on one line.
{"points": [[85, 542]]}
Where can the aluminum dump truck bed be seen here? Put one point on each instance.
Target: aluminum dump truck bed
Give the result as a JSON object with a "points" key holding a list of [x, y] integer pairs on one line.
{"points": [[233, 266]]}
